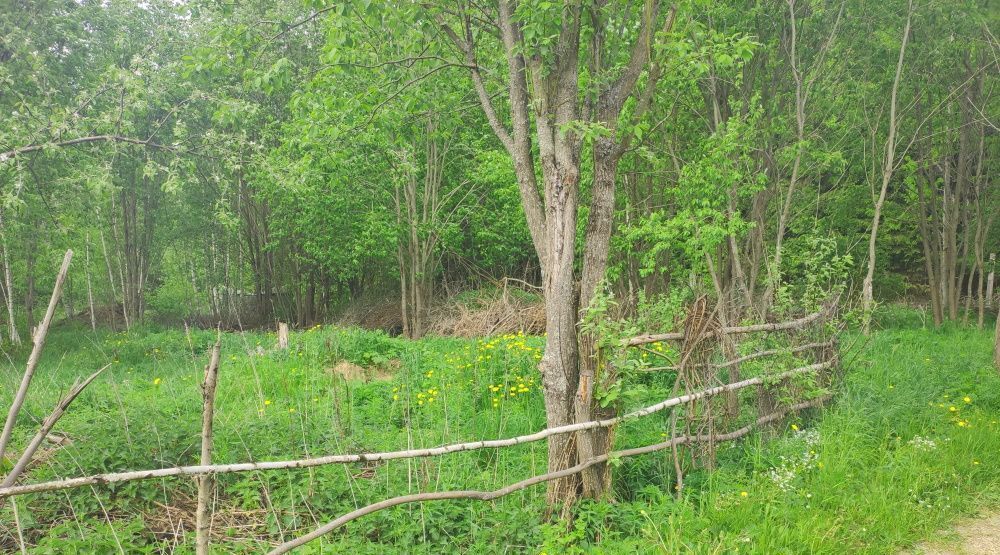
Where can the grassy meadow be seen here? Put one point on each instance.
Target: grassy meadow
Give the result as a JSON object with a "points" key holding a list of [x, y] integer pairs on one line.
{"points": [[908, 445]]}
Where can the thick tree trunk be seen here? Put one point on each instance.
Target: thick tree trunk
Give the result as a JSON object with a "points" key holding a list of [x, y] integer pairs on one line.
{"points": [[555, 96], [559, 365], [596, 479]]}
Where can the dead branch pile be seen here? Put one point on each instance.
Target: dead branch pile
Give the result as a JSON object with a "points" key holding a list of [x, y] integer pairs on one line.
{"points": [[501, 312]]}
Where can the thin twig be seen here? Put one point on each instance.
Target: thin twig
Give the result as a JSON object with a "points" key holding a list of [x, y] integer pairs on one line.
{"points": [[20, 532]]}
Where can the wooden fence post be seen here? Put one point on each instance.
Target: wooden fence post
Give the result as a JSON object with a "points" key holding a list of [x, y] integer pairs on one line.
{"points": [[282, 335], [205, 481], [38, 338]]}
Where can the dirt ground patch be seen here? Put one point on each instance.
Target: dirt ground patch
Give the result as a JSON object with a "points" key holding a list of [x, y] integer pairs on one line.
{"points": [[977, 536], [354, 373]]}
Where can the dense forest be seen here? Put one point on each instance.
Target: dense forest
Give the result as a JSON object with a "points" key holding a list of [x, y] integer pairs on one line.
{"points": [[209, 158], [613, 162]]}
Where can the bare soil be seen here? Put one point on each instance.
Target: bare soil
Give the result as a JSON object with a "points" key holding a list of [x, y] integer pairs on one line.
{"points": [[977, 536]]}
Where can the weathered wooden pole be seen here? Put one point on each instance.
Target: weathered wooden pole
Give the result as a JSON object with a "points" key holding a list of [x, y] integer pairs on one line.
{"points": [[205, 481], [282, 335]]}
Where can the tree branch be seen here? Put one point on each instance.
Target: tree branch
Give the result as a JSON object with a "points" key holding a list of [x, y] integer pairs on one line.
{"points": [[36, 352], [10, 154]]}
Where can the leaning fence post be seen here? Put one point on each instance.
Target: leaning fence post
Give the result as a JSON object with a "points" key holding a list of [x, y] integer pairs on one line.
{"points": [[38, 338], [205, 481]]}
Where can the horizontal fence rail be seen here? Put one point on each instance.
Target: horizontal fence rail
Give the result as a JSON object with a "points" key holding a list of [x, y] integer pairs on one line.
{"points": [[729, 330], [825, 353], [541, 478], [193, 470]]}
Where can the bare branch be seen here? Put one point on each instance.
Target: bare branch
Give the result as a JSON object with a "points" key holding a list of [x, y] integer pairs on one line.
{"points": [[779, 326], [36, 353], [302, 22], [47, 425], [10, 154]]}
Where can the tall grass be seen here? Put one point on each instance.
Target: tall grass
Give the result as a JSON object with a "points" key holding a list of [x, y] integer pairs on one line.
{"points": [[886, 464]]}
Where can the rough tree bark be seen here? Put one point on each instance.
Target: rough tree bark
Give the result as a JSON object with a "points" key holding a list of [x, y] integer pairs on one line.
{"points": [[607, 152], [555, 96]]}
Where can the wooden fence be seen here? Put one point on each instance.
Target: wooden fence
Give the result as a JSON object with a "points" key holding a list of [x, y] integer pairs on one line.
{"points": [[695, 362]]}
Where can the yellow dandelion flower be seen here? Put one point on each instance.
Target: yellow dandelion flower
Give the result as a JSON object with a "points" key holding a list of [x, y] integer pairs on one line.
{"points": [[744, 494], [952, 409], [157, 381], [267, 402], [420, 402], [795, 427], [395, 397], [967, 399]]}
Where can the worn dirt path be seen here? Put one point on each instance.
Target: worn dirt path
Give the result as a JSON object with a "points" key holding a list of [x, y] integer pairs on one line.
{"points": [[976, 536]]}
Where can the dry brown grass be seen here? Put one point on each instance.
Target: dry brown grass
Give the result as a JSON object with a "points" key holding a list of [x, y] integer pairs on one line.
{"points": [[171, 520], [505, 310], [501, 312]]}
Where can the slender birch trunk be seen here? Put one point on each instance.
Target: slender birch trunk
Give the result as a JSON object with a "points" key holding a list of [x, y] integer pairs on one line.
{"points": [[887, 170]]}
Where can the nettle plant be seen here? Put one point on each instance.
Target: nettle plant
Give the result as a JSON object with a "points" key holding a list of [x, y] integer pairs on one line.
{"points": [[817, 272], [621, 369]]}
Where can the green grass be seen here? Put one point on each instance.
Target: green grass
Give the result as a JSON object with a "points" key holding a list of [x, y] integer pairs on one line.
{"points": [[884, 466]]}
